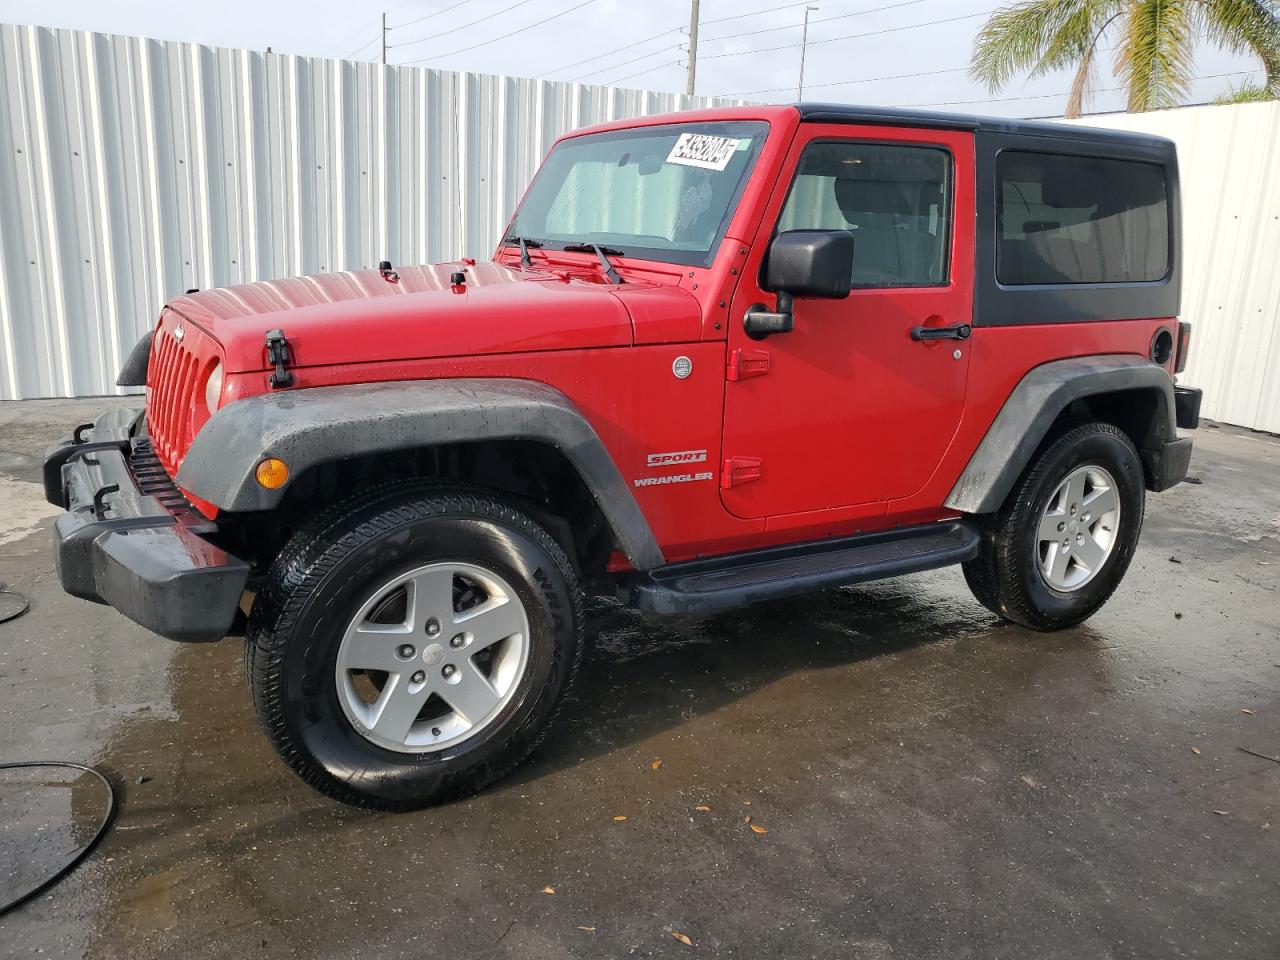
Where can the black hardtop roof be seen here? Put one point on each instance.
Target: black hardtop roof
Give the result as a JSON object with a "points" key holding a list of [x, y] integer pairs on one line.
{"points": [[897, 116]]}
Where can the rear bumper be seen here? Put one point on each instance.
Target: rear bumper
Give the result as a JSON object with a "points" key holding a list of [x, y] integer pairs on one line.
{"points": [[129, 539], [1166, 466], [1186, 404]]}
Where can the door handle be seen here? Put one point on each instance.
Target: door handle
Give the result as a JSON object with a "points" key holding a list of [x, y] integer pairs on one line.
{"points": [[960, 332]]}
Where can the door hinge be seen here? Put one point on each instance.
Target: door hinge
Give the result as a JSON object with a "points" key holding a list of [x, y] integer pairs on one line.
{"points": [[740, 470], [745, 364], [279, 356]]}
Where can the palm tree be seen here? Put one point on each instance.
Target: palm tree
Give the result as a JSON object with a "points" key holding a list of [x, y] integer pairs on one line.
{"points": [[1152, 41]]}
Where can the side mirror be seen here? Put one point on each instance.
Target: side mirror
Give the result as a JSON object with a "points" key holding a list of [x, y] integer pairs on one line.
{"points": [[811, 263], [802, 263]]}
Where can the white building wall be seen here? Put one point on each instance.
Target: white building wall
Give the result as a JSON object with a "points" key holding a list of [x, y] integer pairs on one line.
{"points": [[132, 170], [1229, 163]]}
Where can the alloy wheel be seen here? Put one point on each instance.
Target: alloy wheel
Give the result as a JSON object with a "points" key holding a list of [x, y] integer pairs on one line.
{"points": [[1078, 529], [432, 657]]}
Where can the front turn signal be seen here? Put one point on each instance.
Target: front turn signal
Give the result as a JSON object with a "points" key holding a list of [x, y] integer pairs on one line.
{"points": [[272, 473]]}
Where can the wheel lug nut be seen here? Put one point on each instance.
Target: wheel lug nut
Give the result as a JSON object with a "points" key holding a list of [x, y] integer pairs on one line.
{"points": [[458, 641], [405, 652], [433, 627], [1061, 527], [419, 676], [449, 670]]}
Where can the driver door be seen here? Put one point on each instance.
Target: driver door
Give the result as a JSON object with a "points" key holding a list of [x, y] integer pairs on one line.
{"points": [[848, 409]]}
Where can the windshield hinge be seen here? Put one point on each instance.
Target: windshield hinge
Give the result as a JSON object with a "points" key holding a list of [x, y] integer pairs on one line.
{"points": [[279, 356], [745, 364]]}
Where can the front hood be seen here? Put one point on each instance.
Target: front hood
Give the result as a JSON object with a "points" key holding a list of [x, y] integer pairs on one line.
{"points": [[364, 317]]}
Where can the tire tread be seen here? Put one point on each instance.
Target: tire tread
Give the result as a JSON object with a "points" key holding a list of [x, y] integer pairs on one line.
{"points": [[312, 553]]}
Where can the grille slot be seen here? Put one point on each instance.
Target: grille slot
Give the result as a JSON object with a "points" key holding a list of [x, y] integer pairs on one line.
{"points": [[175, 367]]}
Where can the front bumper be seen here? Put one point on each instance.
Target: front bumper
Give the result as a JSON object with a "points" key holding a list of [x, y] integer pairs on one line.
{"points": [[130, 539]]}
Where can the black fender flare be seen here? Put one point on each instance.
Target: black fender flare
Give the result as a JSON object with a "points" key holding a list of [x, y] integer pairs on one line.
{"points": [[134, 371], [308, 427], [1035, 403]]}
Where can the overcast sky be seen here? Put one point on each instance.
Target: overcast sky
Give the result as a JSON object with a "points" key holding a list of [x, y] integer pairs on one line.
{"points": [[742, 51]]}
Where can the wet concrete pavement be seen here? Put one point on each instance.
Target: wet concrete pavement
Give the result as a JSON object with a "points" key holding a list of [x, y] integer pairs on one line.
{"points": [[933, 783]]}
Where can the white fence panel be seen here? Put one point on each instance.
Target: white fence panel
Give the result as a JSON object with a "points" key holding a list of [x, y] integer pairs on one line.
{"points": [[1229, 161], [131, 170]]}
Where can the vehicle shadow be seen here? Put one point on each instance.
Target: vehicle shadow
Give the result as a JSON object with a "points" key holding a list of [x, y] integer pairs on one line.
{"points": [[642, 676]]}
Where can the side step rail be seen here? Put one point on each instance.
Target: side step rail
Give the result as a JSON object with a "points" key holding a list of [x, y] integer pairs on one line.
{"points": [[723, 583]]}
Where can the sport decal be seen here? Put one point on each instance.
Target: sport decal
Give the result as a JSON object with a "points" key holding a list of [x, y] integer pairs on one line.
{"points": [[673, 459]]}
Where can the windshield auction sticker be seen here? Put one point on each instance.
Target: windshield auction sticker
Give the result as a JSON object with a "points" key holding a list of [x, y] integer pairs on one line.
{"points": [[703, 150]]}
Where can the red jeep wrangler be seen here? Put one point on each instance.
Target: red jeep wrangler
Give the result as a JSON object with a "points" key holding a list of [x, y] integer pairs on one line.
{"points": [[717, 358]]}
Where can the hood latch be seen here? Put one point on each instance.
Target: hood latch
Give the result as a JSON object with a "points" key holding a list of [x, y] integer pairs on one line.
{"points": [[279, 356]]}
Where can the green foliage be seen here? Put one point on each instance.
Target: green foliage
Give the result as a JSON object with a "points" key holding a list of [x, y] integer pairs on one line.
{"points": [[1248, 93], [1152, 42]]}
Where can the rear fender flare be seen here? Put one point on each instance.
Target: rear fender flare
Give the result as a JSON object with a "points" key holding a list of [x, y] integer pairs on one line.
{"points": [[1033, 406], [305, 428]]}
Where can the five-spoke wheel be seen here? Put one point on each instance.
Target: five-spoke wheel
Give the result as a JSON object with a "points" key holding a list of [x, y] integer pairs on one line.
{"points": [[1063, 539], [413, 644], [432, 656], [1078, 528]]}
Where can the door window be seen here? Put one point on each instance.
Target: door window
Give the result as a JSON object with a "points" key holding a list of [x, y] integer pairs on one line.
{"points": [[895, 200]]}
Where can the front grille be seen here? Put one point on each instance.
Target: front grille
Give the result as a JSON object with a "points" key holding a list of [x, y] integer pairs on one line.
{"points": [[174, 377]]}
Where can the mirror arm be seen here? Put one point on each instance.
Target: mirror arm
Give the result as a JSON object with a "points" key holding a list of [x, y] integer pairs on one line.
{"points": [[760, 322]]}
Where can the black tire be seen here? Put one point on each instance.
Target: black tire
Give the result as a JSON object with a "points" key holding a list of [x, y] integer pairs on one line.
{"points": [[1006, 576], [313, 590]]}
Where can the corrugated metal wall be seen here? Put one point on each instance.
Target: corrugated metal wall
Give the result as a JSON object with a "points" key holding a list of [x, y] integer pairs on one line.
{"points": [[1229, 160], [131, 170]]}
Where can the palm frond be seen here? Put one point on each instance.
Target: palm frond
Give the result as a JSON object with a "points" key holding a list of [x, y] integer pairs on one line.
{"points": [[1082, 84], [1154, 58], [1017, 38], [1245, 26]]}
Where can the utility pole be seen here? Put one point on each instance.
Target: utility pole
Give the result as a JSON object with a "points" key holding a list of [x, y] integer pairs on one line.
{"points": [[804, 40], [692, 72], [384, 38]]}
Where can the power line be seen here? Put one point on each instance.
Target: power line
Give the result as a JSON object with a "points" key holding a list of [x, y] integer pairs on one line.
{"points": [[362, 46], [851, 36], [679, 29], [600, 56], [618, 80], [842, 83], [1064, 93], [624, 63], [487, 16], [756, 13], [792, 26], [428, 16], [485, 43]]}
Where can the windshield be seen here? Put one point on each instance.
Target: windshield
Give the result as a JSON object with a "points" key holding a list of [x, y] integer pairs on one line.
{"points": [[656, 193]]}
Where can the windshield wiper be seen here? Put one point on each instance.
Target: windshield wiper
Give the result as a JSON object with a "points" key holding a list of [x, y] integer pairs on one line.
{"points": [[602, 253], [525, 243]]}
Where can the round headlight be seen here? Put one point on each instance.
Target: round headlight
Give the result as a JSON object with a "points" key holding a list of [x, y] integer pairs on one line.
{"points": [[213, 387]]}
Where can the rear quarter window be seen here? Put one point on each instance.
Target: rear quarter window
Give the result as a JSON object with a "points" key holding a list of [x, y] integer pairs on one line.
{"points": [[1075, 219]]}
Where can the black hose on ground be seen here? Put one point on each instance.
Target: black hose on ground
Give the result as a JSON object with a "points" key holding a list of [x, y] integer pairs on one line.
{"points": [[14, 607], [108, 818]]}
